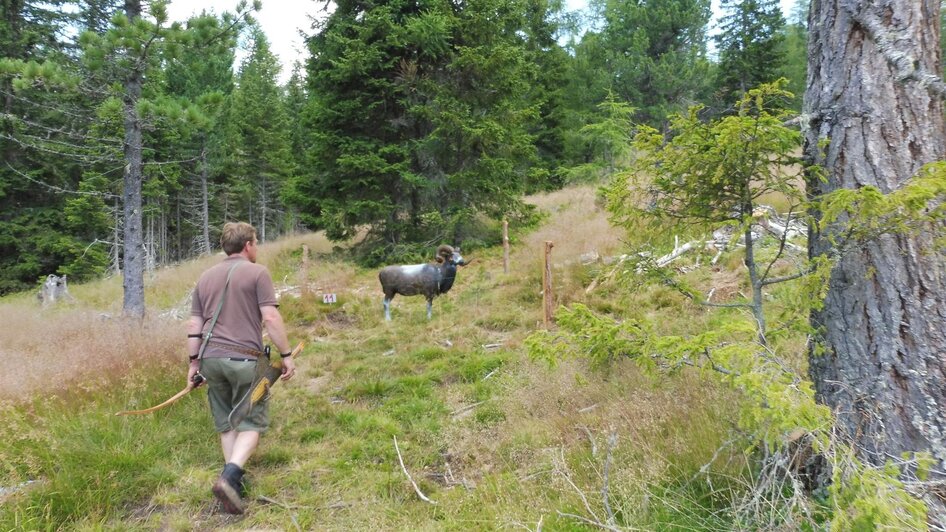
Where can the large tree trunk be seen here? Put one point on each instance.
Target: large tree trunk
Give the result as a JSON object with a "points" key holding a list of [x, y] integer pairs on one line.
{"points": [[134, 259], [12, 13], [883, 325], [263, 201], [204, 202]]}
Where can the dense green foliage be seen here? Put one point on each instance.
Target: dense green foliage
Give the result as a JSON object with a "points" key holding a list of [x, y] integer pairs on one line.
{"points": [[34, 237], [749, 45], [653, 55], [421, 118], [422, 123]]}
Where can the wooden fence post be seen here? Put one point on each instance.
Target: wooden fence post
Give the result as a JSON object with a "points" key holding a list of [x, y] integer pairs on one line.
{"points": [[547, 285], [505, 246], [304, 284]]}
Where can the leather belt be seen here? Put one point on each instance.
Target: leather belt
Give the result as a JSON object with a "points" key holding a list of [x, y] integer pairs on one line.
{"points": [[237, 348]]}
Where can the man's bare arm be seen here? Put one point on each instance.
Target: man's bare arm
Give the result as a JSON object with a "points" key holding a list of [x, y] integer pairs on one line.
{"points": [[272, 320], [194, 326]]}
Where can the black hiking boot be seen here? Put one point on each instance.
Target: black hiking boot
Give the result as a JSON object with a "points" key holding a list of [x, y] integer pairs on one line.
{"points": [[243, 487], [228, 489]]}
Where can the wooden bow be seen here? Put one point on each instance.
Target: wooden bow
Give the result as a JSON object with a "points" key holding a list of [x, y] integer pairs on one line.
{"points": [[169, 402], [182, 393]]}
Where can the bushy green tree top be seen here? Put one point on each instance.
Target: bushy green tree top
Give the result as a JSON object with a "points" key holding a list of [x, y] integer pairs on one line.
{"points": [[749, 45], [420, 118], [712, 172], [654, 54]]}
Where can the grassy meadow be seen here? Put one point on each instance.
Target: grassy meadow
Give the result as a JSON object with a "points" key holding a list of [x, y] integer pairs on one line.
{"points": [[493, 438]]}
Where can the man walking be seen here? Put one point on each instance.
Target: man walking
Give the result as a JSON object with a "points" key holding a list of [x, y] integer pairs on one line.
{"points": [[232, 302]]}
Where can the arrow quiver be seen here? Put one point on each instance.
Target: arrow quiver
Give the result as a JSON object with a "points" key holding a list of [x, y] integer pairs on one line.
{"points": [[267, 372]]}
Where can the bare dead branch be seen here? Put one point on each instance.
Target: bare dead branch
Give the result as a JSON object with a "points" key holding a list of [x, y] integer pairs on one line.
{"points": [[591, 439], [55, 188], [466, 408], [286, 507], [776, 280], [589, 521], [783, 240], [567, 476]]}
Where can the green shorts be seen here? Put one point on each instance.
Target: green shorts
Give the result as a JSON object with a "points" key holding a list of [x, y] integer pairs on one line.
{"points": [[227, 382]]}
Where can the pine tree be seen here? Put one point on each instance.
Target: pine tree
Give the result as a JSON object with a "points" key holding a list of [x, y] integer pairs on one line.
{"points": [[655, 54], [264, 160], [749, 46], [133, 49], [418, 120], [878, 358], [795, 45]]}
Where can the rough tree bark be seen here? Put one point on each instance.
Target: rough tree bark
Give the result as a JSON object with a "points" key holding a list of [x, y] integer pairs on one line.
{"points": [[134, 257], [263, 201], [204, 202], [883, 325]]}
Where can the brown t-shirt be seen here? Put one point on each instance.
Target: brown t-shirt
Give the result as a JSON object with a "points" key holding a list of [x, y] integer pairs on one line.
{"points": [[240, 322]]}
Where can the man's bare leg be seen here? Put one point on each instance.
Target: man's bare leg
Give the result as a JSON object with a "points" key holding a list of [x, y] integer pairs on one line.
{"points": [[238, 446], [237, 449]]}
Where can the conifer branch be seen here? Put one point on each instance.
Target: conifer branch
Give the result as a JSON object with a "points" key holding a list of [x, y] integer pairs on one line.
{"points": [[56, 189], [76, 156]]}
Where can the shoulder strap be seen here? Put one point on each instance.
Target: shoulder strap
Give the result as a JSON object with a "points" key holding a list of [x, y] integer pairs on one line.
{"points": [[213, 321]]}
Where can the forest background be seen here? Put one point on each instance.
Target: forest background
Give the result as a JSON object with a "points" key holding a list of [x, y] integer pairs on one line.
{"points": [[412, 119]]}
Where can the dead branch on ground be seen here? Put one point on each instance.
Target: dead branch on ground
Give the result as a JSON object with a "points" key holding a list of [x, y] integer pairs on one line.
{"points": [[409, 477]]}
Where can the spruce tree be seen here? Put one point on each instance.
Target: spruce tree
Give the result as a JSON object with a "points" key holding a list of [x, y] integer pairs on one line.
{"points": [[655, 54], [749, 45], [419, 117], [202, 77], [263, 156]]}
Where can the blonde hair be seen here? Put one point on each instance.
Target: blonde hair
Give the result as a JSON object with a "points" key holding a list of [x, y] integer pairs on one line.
{"points": [[235, 235]]}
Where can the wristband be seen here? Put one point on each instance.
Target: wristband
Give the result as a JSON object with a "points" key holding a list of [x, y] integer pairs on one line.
{"points": [[198, 335], [193, 357], [285, 355]]}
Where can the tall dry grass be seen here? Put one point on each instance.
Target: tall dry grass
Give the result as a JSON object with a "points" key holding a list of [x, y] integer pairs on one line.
{"points": [[61, 349], [86, 342], [575, 224]]}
